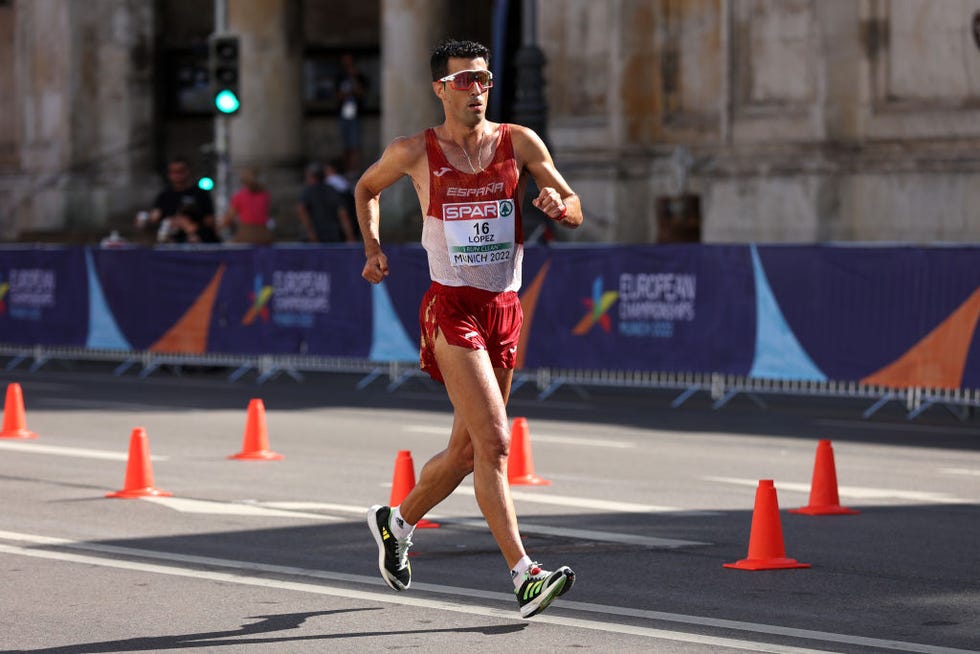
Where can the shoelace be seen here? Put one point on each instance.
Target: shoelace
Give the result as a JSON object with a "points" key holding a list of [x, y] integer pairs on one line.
{"points": [[541, 574], [401, 550], [533, 583]]}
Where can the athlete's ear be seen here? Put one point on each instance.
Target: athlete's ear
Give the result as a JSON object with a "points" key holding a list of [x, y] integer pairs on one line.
{"points": [[439, 88]]}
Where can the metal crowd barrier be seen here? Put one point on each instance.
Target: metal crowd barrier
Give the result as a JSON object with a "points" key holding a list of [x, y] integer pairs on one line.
{"points": [[721, 388]]}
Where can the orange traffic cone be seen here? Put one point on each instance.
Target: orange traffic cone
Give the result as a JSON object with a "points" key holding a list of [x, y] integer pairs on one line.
{"points": [[824, 499], [402, 484], [139, 470], [14, 421], [255, 446], [766, 548], [520, 462]]}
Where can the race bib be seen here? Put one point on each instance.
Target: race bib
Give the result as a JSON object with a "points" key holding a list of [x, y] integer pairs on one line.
{"points": [[479, 233]]}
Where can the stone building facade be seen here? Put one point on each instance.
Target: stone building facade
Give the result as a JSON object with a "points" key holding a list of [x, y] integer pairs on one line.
{"points": [[799, 121], [806, 120]]}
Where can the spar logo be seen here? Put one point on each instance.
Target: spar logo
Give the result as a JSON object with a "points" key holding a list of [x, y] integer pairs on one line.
{"points": [[259, 297], [598, 306], [486, 210]]}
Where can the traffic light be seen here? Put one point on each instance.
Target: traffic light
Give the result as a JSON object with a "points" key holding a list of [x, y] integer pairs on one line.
{"points": [[206, 182], [225, 73]]}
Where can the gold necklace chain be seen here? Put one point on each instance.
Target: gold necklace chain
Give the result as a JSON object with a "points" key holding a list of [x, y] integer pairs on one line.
{"points": [[479, 157]]}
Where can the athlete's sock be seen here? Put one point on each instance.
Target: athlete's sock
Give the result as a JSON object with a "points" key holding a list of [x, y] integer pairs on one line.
{"points": [[399, 527], [517, 572]]}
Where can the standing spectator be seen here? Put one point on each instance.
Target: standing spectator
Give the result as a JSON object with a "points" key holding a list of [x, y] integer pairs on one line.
{"points": [[351, 88], [334, 177], [248, 211], [322, 211], [181, 191]]}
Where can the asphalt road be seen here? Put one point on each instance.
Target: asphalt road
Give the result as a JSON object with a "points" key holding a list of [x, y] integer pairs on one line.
{"points": [[646, 503]]}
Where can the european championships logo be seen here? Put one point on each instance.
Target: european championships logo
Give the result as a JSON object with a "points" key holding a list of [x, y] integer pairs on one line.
{"points": [[259, 297], [598, 306]]}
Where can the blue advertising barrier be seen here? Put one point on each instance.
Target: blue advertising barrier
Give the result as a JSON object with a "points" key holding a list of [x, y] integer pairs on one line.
{"points": [[887, 317]]}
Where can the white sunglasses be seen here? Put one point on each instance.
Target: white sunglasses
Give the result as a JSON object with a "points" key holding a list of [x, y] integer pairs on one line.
{"points": [[465, 79]]}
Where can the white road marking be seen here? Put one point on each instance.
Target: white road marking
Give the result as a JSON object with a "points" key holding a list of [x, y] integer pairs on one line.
{"points": [[102, 551], [312, 506], [34, 447], [960, 471], [587, 503], [537, 438], [526, 528], [856, 492], [253, 508], [584, 534], [586, 442], [208, 507]]}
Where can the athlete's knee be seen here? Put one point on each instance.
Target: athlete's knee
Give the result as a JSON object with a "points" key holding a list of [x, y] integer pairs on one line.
{"points": [[461, 459], [495, 450]]}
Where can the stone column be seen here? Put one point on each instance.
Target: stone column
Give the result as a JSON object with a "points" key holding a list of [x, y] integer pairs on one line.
{"points": [[9, 109], [43, 81], [82, 78], [839, 104], [267, 132], [409, 31], [111, 113]]}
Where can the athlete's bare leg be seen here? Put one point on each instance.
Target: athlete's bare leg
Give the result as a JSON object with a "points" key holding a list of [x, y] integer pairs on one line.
{"points": [[478, 397], [443, 473], [479, 443], [440, 475]]}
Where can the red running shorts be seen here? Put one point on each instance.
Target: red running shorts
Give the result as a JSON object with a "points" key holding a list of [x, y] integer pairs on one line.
{"points": [[472, 318]]}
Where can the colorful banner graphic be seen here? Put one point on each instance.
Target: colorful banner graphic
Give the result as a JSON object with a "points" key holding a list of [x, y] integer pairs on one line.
{"points": [[893, 316]]}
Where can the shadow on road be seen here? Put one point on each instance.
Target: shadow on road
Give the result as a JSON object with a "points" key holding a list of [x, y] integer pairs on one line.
{"points": [[267, 624]]}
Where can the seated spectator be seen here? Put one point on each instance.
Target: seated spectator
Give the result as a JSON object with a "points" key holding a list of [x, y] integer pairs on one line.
{"points": [[181, 190], [248, 211], [191, 227]]}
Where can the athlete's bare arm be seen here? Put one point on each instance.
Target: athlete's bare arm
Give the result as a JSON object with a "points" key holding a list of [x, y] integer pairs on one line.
{"points": [[555, 194], [403, 156]]}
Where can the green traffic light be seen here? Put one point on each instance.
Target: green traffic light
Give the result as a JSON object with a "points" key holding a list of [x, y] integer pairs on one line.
{"points": [[205, 183], [226, 101]]}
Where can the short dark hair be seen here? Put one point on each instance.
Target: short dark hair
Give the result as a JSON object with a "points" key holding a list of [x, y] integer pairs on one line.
{"points": [[190, 209], [315, 170], [451, 48]]}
